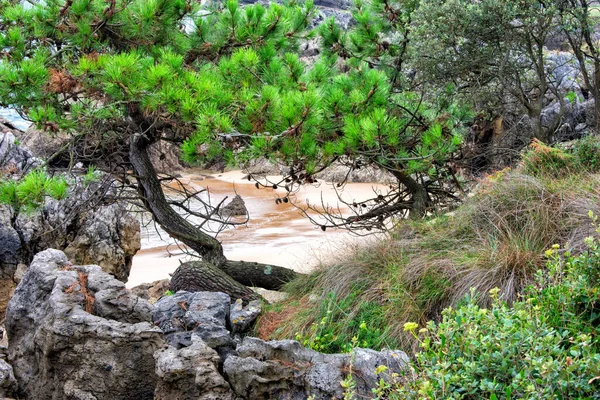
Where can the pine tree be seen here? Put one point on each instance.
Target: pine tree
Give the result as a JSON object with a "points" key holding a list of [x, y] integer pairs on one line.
{"points": [[120, 76]]}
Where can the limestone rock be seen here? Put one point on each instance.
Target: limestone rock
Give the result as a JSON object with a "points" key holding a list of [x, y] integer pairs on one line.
{"points": [[241, 318], [235, 208], [151, 291], [186, 315], [87, 225], [190, 373], [75, 332], [14, 159], [8, 383], [108, 237], [286, 370]]}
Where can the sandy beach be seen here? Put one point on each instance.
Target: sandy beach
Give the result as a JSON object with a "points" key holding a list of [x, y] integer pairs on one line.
{"points": [[275, 233]]}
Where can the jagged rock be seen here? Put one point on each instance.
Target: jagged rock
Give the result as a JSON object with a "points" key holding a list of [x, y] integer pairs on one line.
{"points": [[285, 370], [86, 224], [108, 237], [190, 373], [13, 158], [8, 383], [240, 317], [151, 291], [235, 208], [75, 332], [166, 157], [186, 315]]}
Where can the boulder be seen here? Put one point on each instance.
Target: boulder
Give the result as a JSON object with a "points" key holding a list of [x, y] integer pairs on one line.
{"points": [[284, 369], [186, 316], [190, 373], [235, 208], [14, 159], [75, 332], [241, 318], [151, 291]]}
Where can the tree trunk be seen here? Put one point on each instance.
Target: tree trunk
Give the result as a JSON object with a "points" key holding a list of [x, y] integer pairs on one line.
{"points": [[419, 196], [200, 276], [209, 248]]}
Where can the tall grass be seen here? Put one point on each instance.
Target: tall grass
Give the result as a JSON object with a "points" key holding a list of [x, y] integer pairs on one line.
{"points": [[496, 239]]}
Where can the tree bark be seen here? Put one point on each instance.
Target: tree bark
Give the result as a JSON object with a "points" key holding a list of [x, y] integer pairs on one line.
{"points": [[200, 276], [210, 249], [419, 196]]}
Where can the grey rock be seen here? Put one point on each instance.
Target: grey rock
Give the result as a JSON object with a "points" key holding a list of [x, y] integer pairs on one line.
{"points": [[58, 350], [240, 317], [190, 373], [286, 370], [151, 291], [235, 208], [186, 315], [14, 160], [8, 383], [86, 224], [341, 172]]}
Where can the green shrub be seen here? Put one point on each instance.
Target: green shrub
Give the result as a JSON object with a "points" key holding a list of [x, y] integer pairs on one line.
{"points": [[587, 152], [545, 346], [543, 160]]}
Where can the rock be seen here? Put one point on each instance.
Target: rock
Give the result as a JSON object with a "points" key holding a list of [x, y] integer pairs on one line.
{"points": [[190, 373], [165, 157], [14, 160], [151, 291], [8, 383], [75, 332], [186, 315], [108, 237], [235, 208], [240, 317], [3, 343], [286, 370], [85, 224], [339, 172]]}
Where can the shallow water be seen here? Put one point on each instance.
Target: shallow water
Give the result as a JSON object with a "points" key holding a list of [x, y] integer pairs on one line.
{"points": [[275, 233]]}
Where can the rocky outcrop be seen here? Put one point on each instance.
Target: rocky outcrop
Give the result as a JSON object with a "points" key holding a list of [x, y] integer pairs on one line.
{"points": [[190, 373], [338, 172], [75, 332], [286, 370], [87, 224]]}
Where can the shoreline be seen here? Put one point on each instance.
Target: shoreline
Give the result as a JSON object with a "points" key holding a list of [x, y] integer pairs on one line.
{"points": [[275, 233]]}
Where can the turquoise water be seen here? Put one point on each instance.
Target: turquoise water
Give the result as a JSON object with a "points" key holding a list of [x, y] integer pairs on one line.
{"points": [[14, 118]]}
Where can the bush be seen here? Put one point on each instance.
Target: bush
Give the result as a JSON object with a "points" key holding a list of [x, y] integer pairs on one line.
{"points": [[543, 160], [587, 152], [545, 346]]}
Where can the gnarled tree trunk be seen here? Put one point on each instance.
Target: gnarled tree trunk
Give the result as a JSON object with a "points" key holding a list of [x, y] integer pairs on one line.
{"points": [[228, 276]]}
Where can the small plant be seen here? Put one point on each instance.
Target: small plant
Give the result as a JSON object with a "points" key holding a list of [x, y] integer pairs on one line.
{"points": [[543, 160], [91, 175], [587, 152], [30, 192]]}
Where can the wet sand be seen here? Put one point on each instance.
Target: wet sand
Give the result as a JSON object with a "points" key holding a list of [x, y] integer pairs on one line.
{"points": [[275, 233]]}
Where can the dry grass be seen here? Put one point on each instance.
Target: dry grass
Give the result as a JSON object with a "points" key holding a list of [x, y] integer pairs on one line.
{"points": [[495, 239]]}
